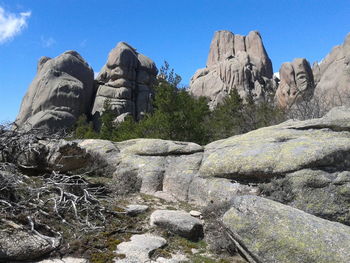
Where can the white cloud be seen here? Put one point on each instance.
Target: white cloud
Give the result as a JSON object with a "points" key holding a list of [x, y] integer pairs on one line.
{"points": [[96, 74], [11, 24], [47, 42]]}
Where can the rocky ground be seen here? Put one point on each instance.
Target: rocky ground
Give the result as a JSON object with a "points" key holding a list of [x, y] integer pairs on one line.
{"points": [[277, 194]]}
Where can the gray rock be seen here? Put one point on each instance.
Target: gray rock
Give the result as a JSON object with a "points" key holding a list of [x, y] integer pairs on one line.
{"points": [[61, 91], [177, 258], [17, 244], [273, 232], [178, 222], [152, 165], [66, 156], [139, 248], [235, 61], [65, 260], [126, 80], [134, 210], [281, 149], [297, 83], [316, 192], [332, 77], [104, 149], [205, 191]]}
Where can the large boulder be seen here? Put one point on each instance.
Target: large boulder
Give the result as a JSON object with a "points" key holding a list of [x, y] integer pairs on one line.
{"points": [[61, 91], [332, 77], [272, 232], [281, 149], [235, 62], [126, 81], [297, 83]]}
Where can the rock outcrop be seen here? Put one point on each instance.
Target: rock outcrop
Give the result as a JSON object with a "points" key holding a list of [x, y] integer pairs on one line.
{"points": [[332, 77], [126, 80], [230, 167], [61, 91], [304, 165], [296, 83], [163, 168], [273, 232], [235, 62]]}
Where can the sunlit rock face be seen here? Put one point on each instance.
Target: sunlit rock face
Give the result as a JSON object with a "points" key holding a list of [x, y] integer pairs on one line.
{"points": [[297, 83], [126, 81], [235, 62], [332, 76], [61, 91]]}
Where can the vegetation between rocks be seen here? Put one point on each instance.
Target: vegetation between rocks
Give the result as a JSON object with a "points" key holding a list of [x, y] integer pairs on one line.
{"points": [[179, 116]]}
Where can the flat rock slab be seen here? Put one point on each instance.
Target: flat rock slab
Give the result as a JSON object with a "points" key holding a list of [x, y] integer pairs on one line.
{"points": [[65, 260], [139, 247], [281, 149], [272, 232], [178, 222], [134, 210]]}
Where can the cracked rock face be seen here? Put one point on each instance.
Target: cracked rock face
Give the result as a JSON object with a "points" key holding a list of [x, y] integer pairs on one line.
{"points": [[61, 91], [332, 76], [235, 62], [126, 80], [297, 83]]}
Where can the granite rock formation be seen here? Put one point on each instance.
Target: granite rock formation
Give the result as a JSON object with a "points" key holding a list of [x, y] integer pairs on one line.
{"points": [[126, 80], [61, 91], [242, 164], [332, 76], [301, 164], [235, 61], [296, 83]]}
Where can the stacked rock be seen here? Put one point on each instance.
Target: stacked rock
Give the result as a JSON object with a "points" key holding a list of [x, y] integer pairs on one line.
{"points": [[297, 83], [235, 62], [126, 82]]}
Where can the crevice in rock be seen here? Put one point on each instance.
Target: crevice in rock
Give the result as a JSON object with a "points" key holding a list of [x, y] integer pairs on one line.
{"points": [[335, 128]]}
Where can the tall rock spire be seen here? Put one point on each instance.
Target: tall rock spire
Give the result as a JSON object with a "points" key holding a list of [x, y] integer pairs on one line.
{"points": [[235, 61]]}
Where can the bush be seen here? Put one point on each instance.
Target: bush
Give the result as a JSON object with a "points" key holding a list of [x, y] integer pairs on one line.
{"points": [[84, 129], [234, 116]]}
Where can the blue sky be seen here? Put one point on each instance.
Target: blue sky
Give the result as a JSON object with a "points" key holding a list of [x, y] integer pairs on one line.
{"points": [[177, 31]]}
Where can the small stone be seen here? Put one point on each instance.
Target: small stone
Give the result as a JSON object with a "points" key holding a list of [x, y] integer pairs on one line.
{"points": [[178, 222], [195, 213], [134, 210]]}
